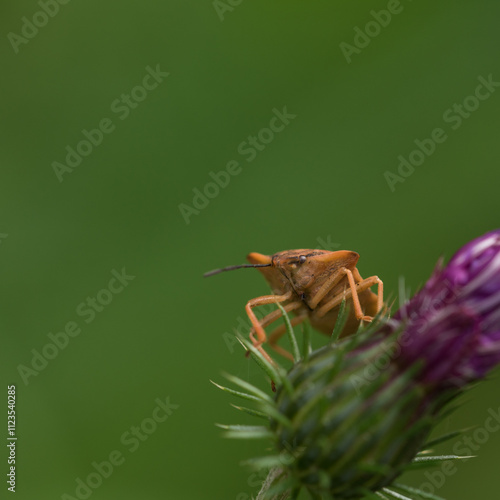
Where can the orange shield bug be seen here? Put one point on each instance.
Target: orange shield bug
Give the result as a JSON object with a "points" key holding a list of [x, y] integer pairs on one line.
{"points": [[311, 284]]}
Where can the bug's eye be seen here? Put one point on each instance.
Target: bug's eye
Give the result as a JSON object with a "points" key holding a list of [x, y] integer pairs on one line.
{"points": [[302, 259]]}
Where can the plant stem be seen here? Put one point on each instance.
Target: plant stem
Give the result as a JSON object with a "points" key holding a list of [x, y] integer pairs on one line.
{"points": [[268, 482]]}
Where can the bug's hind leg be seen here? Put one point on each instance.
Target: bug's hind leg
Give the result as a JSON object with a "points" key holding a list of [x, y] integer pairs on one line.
{"points": [[352, 292], [374, 280], [361, 286]]}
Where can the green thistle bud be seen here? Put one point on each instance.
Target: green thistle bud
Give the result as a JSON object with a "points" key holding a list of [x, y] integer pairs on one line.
{"points": [[349, 435], [346, 420]]}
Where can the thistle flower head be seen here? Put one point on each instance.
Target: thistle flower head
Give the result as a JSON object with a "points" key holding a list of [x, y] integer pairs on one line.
{"points": [[453, 323]]}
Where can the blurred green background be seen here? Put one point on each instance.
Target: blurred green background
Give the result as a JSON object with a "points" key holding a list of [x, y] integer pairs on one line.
{"points": [[318, 182]]}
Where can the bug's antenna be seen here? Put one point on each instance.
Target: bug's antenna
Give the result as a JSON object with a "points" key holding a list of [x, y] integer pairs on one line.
{"points": [[230, 268]]}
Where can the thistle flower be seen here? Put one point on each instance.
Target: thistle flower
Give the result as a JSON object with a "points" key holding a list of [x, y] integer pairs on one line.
{"points": [[453, 323], [349, 418]]}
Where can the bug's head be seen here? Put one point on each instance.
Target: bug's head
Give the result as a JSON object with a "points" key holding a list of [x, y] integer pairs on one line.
{"points": [[302, 267], [267, 268]]}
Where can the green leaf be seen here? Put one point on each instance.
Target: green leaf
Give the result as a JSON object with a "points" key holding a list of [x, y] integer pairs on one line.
{"points": [[267, 462], [242, 395], [441, 458], [395, 494], [370, 495], [246, 431], [272, 412], [442, 439], [416, 491], [306, 340], [250, 411], [291, 335], [417, 466], [273, 371], [422, 462], [248, 387], [340, 323], [381, 496]]}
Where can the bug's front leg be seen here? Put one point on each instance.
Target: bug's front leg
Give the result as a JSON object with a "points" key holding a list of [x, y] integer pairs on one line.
{"points": [[259, 330], [278, 332]]}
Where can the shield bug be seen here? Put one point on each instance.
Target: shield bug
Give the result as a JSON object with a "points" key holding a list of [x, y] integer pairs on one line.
{"points": [[312, 284]]}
